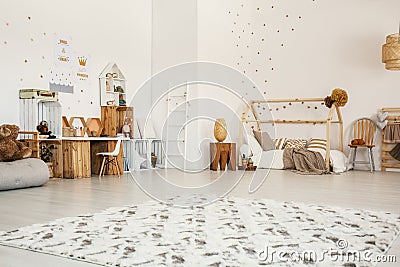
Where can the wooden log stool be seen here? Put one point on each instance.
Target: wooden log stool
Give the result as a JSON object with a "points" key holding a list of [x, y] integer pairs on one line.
{"points": [[223, 154]]}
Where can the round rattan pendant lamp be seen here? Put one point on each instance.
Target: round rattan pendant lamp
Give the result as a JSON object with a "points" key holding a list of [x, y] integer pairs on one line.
{"points": [[391, 52]]}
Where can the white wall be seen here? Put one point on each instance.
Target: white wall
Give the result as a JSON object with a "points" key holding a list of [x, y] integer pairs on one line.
{"points": [[117, 31], [333, 44]]}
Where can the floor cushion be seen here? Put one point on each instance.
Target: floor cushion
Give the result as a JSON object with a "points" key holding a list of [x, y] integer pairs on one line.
{"points": [[23, 173]]}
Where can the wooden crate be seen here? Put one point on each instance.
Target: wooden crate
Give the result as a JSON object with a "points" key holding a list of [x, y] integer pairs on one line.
{"points": [[57, 158], [109, 120], [76, 159], [104, 146]]}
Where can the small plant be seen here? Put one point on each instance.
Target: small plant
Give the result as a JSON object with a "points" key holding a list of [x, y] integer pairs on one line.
{"points": [[45, 152]]}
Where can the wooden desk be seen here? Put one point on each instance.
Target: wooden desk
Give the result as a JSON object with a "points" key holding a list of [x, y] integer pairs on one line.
{"points": [[223, 153], [80, 159]]}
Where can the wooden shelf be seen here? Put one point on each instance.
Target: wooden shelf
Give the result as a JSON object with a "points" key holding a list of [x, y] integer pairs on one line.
{"points": [[387, 160]]}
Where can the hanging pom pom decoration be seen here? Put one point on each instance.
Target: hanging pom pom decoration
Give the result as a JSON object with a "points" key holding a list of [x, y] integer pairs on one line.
{"points": [[340, 97]]}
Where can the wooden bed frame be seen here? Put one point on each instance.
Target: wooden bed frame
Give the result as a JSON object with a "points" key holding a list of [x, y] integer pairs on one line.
{"points": [[328, 121]]}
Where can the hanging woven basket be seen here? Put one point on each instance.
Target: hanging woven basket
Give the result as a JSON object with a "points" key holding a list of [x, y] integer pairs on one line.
{"points": [[391, 52]]}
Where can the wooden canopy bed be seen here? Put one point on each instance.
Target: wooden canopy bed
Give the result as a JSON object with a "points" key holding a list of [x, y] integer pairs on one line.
{"points": [[328, 121]]}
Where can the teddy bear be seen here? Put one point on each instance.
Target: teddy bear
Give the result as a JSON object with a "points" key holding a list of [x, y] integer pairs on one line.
{"points": [[10, 148]]}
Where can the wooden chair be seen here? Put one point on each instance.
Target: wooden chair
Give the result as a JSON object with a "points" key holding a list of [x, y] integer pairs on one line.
{"points": [[364, 129], [110, 158]]}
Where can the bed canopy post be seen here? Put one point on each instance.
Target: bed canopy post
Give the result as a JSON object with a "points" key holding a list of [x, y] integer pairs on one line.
{"points": [[328, 135], [340, 119]]}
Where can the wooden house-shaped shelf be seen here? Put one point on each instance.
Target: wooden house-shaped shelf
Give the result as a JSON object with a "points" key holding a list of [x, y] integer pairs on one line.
{"points": [[112, 86]]}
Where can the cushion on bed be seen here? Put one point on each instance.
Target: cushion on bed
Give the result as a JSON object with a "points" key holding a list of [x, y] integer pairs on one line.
{"points": [[296, 143], [23, 173], [264, 140], [280, 143], [317, 143]]}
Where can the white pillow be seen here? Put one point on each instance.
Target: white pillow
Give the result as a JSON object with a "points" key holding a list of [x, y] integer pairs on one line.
{"points": [[255, 148], [339, 160]]}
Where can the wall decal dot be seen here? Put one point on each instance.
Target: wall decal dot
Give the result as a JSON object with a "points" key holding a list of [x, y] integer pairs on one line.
{"points": [[237, 45], [302, 102], [287, 16], [272, 6], [292, 29], [31, 39], [21, 79], [29, 18], [247, 46], [284, 106], [26, 61], [256, 70], [234, 23], [258, 52], [252, 33], [299, 17], [91, 102], [249, 63], [44, 33], [239, 36], [43, 57], [242, 30], [265, 82], [281, 44], [308, 107], [270, 59], [5, 42], [7, 24], [277, 109], [41, 76], [232, 31], [290, 104], [81, 90], [237, 64], [277, 31], [241, 56], [262, 40], [237, 15], [263, 108], [316, 107], [229, 12], [272, 68], [258, 8], [264, 25]]}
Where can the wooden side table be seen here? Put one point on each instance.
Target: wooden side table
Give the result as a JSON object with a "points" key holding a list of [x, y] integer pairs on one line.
{"points": [[223, 154]]}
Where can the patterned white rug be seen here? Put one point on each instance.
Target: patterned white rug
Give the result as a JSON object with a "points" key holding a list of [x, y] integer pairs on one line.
{"points": [[230, 232]]}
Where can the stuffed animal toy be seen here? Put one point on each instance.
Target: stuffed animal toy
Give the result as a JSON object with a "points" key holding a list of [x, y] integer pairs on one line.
{"points": [[10, 148], [358, 142], [43, 128]]}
